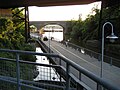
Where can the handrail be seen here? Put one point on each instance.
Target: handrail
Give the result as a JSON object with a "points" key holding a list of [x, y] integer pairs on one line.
{"points": [[91, 50], [92, 53], [13, 81], [73, 64], [29, 52], [92, 76]]}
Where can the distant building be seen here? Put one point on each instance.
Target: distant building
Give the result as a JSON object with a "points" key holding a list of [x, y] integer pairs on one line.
{"points": [[6, 13]]}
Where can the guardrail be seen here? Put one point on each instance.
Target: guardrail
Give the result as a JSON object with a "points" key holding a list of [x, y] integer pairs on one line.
{"points": [[110, 60], [16, 74]]}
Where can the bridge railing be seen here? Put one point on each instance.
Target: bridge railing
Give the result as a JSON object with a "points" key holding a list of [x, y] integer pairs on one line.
{"points": [[92, 54], [16, 74]]}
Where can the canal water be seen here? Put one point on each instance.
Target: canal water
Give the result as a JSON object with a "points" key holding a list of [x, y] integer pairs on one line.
{"points": [[45, 73]]}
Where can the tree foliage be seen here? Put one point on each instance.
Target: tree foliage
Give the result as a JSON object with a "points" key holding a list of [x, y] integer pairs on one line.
{"points": [[12, 37], [80, 32], [88, 29], [12, 33]]}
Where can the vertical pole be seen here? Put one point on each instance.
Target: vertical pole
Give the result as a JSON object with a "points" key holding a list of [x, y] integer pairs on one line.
{"points": [[60, 69], [99, 87], [101, 74], [18, 72], [100, 35], [103, 45], [79, 87], [26, 36], [49, 41], [111, 61], [99, 28], [68, 77], [60, 61], [26, 24], [50, 69], [80, 76]]}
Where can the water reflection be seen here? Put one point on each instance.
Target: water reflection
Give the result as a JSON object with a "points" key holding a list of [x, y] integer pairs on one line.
{"points": [[45, 73]]}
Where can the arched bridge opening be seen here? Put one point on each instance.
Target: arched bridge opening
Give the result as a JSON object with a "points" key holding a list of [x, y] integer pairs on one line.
{"points": [[52, 31], [41, 24]]}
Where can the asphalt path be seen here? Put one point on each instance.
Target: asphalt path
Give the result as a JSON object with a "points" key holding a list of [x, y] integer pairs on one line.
{"points": [[110, 73]]}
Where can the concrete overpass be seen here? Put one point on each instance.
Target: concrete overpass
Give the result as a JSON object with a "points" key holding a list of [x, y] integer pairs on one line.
{"points": [[40, 24]]}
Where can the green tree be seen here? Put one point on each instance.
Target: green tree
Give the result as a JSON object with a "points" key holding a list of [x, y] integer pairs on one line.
{"points": [[12, 37], [76, 32]]}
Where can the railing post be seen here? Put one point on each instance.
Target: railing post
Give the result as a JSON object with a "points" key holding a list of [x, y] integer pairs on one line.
{"points": [[60, 69], [50, 70], [18, 72], [111, 61], [68, 77], [60, 61], [99, 57], [100, 87], [91, 54], [80, 76], [79, 87]]}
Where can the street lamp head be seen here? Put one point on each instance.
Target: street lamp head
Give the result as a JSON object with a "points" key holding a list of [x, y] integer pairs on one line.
{"points": [[112, 37]]}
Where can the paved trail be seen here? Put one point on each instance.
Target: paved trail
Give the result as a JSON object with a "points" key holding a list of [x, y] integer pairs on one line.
{"points": [[110, 73]]}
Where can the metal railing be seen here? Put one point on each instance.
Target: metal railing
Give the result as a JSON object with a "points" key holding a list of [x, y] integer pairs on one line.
{"points": [[108, 59], [16, 74]]}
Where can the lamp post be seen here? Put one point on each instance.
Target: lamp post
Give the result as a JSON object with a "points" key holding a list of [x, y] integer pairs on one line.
{"points": [[112, 37]]}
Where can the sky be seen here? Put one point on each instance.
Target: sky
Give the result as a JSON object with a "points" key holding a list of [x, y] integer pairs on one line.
{"points": [[61, 13]]}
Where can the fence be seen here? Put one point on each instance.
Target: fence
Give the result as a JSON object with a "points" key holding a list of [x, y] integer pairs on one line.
{"points": [[17, 74], [110, 60]]}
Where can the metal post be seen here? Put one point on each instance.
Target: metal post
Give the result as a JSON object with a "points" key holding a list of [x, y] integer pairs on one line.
{"points": [[80, 76], [60, 61], [99, 27], [26, 25], [103, 44], [50, 70], [102, 51], [99, 87], [111, 61], [60, 69], [49, 41], [79, 87], [18, 72], [27, 30], [68, 77]]}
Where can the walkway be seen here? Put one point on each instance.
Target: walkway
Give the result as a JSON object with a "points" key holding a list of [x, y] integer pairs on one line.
{"points": [[110, 73]]}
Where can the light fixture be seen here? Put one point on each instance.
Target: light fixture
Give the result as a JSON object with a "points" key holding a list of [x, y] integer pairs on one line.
{"points": [[112, 38]]}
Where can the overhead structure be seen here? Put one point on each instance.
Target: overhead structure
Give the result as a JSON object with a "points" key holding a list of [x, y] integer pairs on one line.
{"points": [[40, 3], [23, 3], [110, 3]]}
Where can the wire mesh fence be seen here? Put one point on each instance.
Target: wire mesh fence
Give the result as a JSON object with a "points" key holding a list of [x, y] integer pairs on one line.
{"points": [[17, 74]]}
